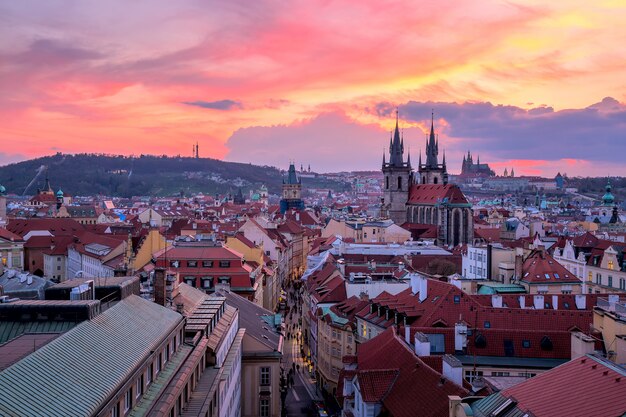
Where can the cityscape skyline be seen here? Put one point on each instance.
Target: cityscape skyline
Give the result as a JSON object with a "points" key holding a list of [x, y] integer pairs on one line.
{"points": [[524, 86]]}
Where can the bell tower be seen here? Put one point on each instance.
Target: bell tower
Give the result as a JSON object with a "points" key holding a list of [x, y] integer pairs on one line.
{"points": [[398, 178], [432, 172]]}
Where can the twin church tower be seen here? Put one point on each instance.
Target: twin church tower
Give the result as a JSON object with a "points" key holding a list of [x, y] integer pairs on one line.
{"points": [[424, 197]]}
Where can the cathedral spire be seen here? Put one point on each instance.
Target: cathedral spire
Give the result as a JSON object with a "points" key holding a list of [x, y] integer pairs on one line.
{"points": [[432, 145], [444, 158], [396, 152]]}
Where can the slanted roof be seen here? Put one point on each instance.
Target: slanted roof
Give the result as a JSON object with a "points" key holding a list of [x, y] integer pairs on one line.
{"points": [[436, 194], [586, 386], [75, 374], [253, 318]]}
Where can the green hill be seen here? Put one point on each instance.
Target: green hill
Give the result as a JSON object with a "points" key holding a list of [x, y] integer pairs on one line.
{"points": [[126, 176]]}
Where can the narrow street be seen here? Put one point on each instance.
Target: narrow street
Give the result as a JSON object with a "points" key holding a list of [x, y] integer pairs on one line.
{"points": [[303, 391]]}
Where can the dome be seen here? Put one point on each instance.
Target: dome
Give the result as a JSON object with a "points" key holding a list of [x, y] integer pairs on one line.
{"points": [[3, 190], [608, 199], [60, 193]]}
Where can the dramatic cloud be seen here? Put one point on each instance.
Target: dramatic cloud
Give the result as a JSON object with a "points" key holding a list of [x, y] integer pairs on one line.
{"points": [[152, 75], [329, 142], [215, 105], [538, 141]]}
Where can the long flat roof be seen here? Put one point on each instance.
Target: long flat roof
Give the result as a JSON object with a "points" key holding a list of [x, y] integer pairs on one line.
{"points": [[75, 374]]}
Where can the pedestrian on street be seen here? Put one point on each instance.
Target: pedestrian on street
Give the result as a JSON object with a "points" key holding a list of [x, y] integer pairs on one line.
{"points": [[298, 367]]}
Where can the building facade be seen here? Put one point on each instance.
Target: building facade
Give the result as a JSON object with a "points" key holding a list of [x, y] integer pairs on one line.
{"points": [[425, 197]]}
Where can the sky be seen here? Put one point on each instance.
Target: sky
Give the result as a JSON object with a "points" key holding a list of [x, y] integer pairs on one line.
{"points": [[532, 85]]}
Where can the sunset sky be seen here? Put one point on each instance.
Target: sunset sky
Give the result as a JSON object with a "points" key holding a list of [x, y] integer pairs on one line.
{"points": [[535, 85]]}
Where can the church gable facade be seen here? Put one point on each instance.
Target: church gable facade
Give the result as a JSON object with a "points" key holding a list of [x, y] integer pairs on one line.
{"points": [[425, 197]]}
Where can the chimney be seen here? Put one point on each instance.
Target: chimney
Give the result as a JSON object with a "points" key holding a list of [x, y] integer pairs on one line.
{"points": [[453, 369], [423, 287], [460, 336], [414, 284], [519, 262], [422, 344], [555, 302], [496, 301], [522, 301], [341, 264], [581, 344], [581, 301], [159, 286], [538, 301]]}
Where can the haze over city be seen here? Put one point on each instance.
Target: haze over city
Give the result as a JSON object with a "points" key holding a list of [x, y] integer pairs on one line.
{"points": [[532, 85]]}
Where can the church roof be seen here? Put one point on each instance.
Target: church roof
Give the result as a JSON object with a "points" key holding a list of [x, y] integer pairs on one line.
{"points": [[436, 193]]}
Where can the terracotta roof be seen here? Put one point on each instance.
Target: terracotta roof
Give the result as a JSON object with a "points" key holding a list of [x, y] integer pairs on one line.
{"points": [[436, 193], [541, 268], [417, 389], [586, 386], [10, 236], [374, 384]]}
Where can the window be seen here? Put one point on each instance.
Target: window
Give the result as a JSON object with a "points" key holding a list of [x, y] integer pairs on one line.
{"points": [[128, 400], [207, 282], [547, 276], [224, 264], [264, 407], [158, 363], [437, 343], [174, 264], [457, 299], [387, 183], [149, 372], [224, 280], [487, 324], [556, 275], [526, 344], [265, 375], [610, 265], [500, 373], [598, 279], [208, 264], [192, 264], [610, 281], [590, 276], [139, 387], [399, 183], [190, 281], [115, 411], [470, 375], [58, 267]]}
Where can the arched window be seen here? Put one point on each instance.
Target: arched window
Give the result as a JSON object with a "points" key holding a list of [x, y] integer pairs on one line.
{"points": [[399, 183]]}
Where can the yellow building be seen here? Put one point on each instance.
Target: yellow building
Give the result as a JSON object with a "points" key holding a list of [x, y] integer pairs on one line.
{"points": [[609, 317], [148, 245], [335, 339]]}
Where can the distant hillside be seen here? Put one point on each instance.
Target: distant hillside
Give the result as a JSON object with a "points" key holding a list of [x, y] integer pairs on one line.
{"points": [[125, 176]]}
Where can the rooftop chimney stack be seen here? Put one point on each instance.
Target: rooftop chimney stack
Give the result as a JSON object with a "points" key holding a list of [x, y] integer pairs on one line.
{"points": [[422, 344], [159, 286], [538, 302], [453, 369]]}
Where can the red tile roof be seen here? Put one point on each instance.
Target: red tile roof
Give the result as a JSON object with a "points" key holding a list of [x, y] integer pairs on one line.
{"points": [[541, 268], [436, 193], [598, 390], [374, 384], [418, 389]]}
